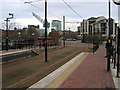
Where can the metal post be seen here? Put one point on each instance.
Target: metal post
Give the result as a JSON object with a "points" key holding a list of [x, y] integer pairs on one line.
{"points": [[69, 34], [109, 20], [45, 30], [108, 59], [93, 36], [115, 52], [83, 38], [7, 34], [7, 20], [118, 43], [64, 31]]}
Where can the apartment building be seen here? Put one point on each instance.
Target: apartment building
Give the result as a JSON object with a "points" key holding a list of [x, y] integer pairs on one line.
{"points": [[97, 25]]}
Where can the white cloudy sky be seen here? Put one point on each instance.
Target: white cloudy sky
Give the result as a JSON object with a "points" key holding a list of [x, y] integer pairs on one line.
{"points": [[56, 9]]}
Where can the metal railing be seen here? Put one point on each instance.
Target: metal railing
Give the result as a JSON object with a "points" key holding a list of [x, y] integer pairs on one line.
{"points": [[95, 47]]}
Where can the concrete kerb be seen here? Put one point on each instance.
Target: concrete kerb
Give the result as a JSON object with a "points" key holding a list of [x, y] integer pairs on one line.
{"points": [[115, 79], [52, 76]]}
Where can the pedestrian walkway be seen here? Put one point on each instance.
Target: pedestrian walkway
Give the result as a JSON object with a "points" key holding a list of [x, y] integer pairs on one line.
{"points": [[62, 71], [88, 71], [91, 73], [12, 51], [20, 50]]}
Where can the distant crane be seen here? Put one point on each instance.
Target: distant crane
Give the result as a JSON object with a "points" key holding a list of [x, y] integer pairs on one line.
{"points": [[38, 17], [41, 20]]}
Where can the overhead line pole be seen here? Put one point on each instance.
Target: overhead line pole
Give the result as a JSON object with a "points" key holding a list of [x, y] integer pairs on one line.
{"points": [[46, 26], [109, 41], [46, 31], [64, 31], [118, 52]]}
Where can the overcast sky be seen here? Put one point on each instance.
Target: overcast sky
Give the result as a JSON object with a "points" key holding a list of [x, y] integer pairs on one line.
{"points": [[56, 9]]}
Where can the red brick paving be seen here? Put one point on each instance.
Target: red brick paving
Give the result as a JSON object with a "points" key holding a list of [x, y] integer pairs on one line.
{"points": [[91, 73]]}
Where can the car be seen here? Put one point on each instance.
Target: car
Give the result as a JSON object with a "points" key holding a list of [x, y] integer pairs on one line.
{"points": [[68, 39], [73, 39]]}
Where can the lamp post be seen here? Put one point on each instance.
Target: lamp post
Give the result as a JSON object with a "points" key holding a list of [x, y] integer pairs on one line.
{"points": [[117, 2], [33, 39], [7, 20], [83, 32], [19, 35]]}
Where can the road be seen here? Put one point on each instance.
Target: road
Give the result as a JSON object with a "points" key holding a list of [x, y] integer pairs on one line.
{"points": [[67, 43], [78, 44]]}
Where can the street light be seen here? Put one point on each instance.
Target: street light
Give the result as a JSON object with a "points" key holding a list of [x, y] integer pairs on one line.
{"points": [[19, 41], [11, 14], [33, 34], [19, 33], [7, 20], [117, 2]]}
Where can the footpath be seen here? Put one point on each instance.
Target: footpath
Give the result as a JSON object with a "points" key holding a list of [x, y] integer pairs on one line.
{"points": [[13, 51], [87, 70], [91, 73]]}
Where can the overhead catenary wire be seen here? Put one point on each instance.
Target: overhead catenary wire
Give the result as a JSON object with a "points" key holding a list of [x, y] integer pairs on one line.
{"points": [[30, 3], [72, 9], [48, 11], [73, 25], [36, 6]]}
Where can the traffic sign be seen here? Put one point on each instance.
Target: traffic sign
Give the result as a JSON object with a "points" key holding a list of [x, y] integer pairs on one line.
{"points": [[48, 24], [109, 41]]}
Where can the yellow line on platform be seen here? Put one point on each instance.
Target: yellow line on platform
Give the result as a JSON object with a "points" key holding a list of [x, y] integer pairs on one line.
{"points": [[59, 80]]}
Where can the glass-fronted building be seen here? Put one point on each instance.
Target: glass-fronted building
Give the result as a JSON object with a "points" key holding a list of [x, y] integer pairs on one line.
{"points": [[56, 25]]}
